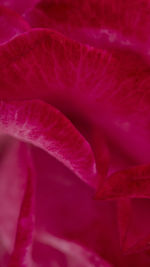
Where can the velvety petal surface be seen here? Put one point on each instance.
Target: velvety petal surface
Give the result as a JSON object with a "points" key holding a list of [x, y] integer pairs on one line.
{"points": [[96, 22], [135, 219], [107, 89], [124, 213], [76, 255], [12, 24], [133, 216], [65, 209], [21, 255], [130, 183], [13, 179], [17, 5], [44, 126]]}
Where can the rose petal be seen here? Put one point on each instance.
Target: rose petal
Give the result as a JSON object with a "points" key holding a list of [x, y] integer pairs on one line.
{"points": [[65, 208], [76, 255], [130, 183], [100, 150], [97, 140], [108, 89], [124, 216], [12, 186], [11, 24], [47, 256], [99, 23], [17, 5], [21, 256], [136, 225], [41, 124]]}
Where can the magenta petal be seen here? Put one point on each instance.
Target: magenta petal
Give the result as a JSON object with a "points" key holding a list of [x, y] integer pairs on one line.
{"points": [[44, 126], [11, 24], [17, 5], [137, 235], [13, 169], [65, 208], [110, 89], [96, 22], [99, 147], [48, 66], [124, 210], [76, 255], [21, 255], [130, 183]]}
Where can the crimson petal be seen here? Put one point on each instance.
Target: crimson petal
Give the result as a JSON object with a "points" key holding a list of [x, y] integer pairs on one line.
{"points": [[44, 126], [110, 89], [21, 255], [65, 208], [76, 255], [124, 215], [96, 22], [12, 24], [17, 5], [12, 187], [131, 183], [134, 222]]}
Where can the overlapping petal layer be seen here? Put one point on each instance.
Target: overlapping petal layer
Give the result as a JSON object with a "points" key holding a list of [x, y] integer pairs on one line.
{"points": [[107, 89], [21, 255], [76, 255], [65, 208], [13, 22], [130, 183], [96, 22], [124, 212], [13, 180], [44, 126], [135, 219], [133, 216], [17, 5]]}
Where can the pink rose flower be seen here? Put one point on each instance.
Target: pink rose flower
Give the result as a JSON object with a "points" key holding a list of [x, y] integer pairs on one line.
{"points": [[74, 133]]}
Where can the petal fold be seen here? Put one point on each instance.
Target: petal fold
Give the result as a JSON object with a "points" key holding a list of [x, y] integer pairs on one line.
{"points": [[98, 23], [134, 222], [44, 126], [21, 255], [131, 183], [109, 89], [12, 24], [13, 180], [19, 6], [76, 255]]}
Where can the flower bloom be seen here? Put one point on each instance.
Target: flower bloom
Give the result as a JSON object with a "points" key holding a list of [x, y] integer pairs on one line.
{"points": [[74, 133]]}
